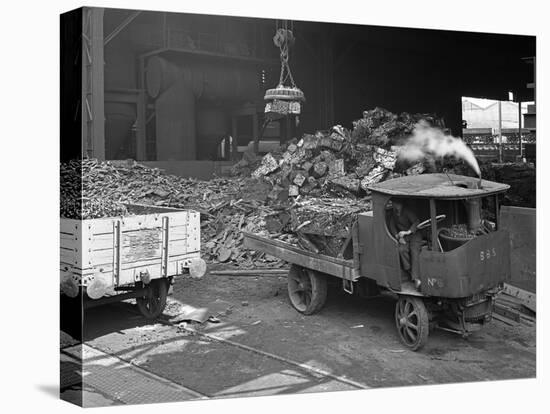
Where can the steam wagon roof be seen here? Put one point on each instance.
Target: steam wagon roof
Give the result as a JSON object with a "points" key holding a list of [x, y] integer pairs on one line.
{"points": [[446, 186]]}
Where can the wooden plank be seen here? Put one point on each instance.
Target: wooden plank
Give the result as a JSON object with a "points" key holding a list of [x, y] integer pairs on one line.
{"points": [[69, 243], [177, 232], [139, 263], [133, 223], [66, 236], [507, 312], [504, 320], [337, 267], [98, 257], [101, 232], [531, 308], [193, 233], [250, 272], [67, 254], [143, 236], [177, 247], [107, 269], [177, 216], [528, 299], [267, 242], [104, 267], [139, 252], [180, 218], [68, 226], [141, 245], [105, 225], [98, 226], [105, 258], [522, 225], [102, 241], [101, 249], [141, 242]]}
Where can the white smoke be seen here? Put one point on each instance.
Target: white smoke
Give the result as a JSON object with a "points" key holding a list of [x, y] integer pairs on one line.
{"points": [[427, 140]]}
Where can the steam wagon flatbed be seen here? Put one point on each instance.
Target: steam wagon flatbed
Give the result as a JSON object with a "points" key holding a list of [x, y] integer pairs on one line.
{"points": [[110, 259], [459, 274]]}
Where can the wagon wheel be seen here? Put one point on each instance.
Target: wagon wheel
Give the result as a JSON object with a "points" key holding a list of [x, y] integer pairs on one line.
{"points": [[153, 303], [307, 289], [412, 321]]}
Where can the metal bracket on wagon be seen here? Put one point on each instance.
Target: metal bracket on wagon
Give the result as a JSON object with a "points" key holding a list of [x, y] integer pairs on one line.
{"points": [[347, 285]]}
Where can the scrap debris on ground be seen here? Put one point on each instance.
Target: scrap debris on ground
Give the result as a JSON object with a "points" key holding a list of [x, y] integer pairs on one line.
{"points": [[307, 193]]}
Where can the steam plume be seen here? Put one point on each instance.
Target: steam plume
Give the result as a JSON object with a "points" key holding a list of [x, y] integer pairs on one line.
{"points": [[426, 140]]}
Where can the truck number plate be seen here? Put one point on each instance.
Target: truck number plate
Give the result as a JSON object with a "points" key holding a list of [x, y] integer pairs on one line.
{"points": [[487, 254]]}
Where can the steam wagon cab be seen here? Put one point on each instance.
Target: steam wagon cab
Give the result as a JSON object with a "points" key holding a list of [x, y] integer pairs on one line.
{"points": [[464, 257]]}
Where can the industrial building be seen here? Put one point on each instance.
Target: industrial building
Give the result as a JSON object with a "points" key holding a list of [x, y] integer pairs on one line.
{"points": [[172, 88], [297, 206]]}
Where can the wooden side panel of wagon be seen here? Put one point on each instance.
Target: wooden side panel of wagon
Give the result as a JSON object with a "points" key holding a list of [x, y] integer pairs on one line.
{"points": [[119, 250]]}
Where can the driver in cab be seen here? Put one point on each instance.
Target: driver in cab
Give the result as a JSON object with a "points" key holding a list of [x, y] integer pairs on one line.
{"points": [[403, 224]]}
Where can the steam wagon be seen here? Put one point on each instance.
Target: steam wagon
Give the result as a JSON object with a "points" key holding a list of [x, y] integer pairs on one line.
{"points": [[464, 256]]}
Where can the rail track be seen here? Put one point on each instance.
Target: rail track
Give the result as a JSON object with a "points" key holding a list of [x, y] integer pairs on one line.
{"points": [[168, 388]]}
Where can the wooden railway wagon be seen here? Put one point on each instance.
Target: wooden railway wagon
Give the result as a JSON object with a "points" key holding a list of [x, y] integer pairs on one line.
{"points": [[136, 256]]}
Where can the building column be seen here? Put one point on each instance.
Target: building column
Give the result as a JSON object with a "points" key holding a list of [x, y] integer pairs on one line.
{"points": [[93, 112]]}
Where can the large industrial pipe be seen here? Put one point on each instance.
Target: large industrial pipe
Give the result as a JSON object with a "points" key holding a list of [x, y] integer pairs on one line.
{"points": [[207, 80], [175, 123], [177, 85]]}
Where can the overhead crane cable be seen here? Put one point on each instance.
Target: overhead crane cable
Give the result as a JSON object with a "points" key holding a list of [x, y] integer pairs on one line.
{"points": [[284, 55], [286, 97]]}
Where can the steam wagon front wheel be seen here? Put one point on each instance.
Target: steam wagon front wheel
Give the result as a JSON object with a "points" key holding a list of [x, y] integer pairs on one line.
{"points": [[153, 303], [412, 321], [307, 289]]}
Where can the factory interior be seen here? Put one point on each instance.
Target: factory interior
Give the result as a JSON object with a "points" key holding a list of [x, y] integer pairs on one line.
{"points": [[185, 92]]}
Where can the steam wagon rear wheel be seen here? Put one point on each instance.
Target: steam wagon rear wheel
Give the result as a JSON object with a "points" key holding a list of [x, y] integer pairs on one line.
{"points": [[153, 303], [307, 289], [412, 321]]}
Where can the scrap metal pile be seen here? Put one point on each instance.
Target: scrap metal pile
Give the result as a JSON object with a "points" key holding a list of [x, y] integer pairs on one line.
{"points": [[308, 193], [521, 177], [94, 189], [340, 161], [326, 175]]}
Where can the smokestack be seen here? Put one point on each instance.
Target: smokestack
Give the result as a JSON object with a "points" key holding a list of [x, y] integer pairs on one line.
{"points": [[473, 207]]}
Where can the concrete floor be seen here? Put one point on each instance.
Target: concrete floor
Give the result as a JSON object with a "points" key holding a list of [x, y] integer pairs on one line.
{"points": [[350, 344]]}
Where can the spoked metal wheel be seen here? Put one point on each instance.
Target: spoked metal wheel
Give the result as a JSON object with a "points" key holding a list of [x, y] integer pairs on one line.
{"points": [[153, 303], [412, 321], [307, 289]]}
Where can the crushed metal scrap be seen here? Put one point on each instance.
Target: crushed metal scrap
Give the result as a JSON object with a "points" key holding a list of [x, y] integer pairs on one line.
{"points": [[308, 192]]}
